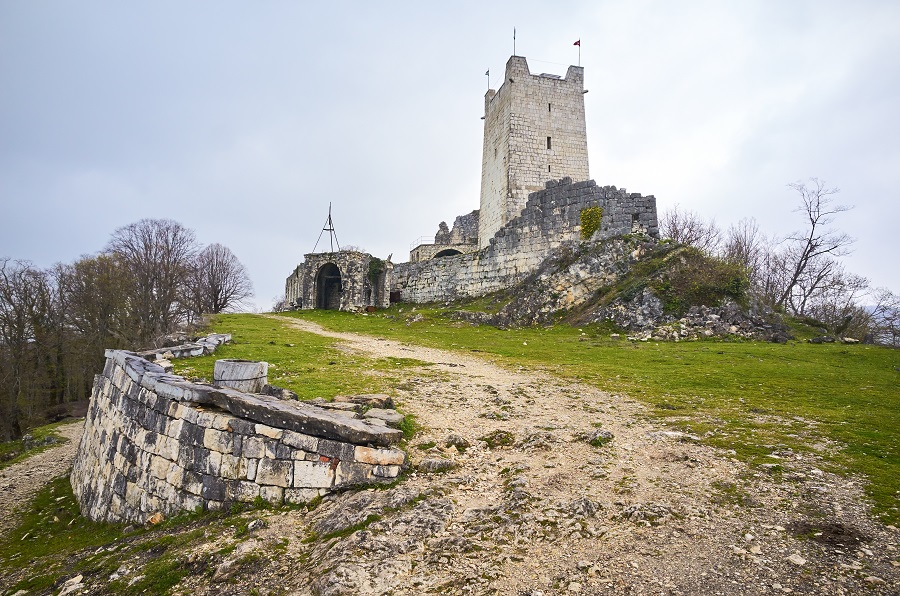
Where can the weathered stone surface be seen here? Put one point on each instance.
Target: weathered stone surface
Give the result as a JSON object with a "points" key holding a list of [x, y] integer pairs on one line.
{"points": [[154, 442], [380, 457], [302, 418], [309, 474], [391, 417], [275, 472], [370, 400]]}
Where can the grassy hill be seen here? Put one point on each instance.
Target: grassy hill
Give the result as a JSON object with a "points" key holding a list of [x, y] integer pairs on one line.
{"points": [[758, 399]]}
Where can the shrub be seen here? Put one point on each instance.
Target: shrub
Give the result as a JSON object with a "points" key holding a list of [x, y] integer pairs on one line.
{"points": [[590, 221]]}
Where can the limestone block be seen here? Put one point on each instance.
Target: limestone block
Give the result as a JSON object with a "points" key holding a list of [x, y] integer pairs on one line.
{"points": [[300, 441], [160, 467], [233, 468], [275, 472], [268, 431], [391, 417], [300, 496], [175, 476], [167, 447], [348, 473], [253, 447], [241, 427], [272, 494], [192, 434], [386, 471], [309, 474], [337, 449], [217, 440], [213, 488], [192, 482], [133, 494], [242, 491], [252, 466], [173, 428], [379, 457], [189, 502]]}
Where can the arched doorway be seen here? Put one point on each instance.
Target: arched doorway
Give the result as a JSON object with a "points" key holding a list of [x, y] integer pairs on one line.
{"points": [[328, 287], [447, 252]]}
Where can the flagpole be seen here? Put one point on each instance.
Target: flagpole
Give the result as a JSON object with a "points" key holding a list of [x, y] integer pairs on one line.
{"points": [[514, 41]]}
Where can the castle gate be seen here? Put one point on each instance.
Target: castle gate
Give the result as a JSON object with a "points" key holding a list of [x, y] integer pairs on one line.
{"points": [[328, 287]]}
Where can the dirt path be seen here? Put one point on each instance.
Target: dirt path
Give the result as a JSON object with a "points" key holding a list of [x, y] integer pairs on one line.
{"points": [[19, 482], [652, 511]]}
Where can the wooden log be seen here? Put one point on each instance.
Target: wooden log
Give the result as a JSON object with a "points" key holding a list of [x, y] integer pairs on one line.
{"points": [[248, 376]]}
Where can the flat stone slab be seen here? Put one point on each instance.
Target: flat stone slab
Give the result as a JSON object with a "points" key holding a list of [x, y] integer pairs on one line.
{"points": [[302, 418], [390, 417]]}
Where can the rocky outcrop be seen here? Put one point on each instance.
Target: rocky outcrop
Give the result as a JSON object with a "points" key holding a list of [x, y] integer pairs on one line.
{"points": [[155, 442], [616, 281]]}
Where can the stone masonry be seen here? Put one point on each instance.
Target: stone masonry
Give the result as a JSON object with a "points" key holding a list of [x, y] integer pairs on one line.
{"points": [[550, 219], [338, 281], [534, 131], [154, 442]]}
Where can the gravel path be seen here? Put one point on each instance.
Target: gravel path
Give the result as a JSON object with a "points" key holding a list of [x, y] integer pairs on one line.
{"points": [[652, 511], [19, 482]]}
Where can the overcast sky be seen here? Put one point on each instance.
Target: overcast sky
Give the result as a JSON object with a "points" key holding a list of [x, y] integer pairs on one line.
{"points": [[242, 120]]}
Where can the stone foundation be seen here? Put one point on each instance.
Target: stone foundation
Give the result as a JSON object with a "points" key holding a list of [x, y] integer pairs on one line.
{"points": [[154, 442]]}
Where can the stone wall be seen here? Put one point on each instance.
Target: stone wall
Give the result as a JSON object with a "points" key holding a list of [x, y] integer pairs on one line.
{"points": [[534, 131], [465, 229], [551, 218], [154, 442], [355, 291]]}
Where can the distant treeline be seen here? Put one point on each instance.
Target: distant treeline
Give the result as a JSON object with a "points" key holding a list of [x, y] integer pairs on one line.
{"points": [[801, 274], [151, 279]]}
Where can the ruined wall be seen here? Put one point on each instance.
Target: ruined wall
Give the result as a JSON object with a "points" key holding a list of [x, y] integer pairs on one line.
{"points": [[517, 158], [155, 442], [465, 229], [357, 290], [551, 218]]}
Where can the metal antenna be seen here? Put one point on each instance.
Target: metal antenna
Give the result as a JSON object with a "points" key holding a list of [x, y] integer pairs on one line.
{"points": [[332, 235]]}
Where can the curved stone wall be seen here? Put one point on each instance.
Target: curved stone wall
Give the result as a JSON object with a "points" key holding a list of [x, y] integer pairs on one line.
{"points": [[154, 442]]}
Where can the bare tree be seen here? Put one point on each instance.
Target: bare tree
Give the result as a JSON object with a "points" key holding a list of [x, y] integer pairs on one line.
{"points": [[745, 245], [809, 254], [687, 227], [26, 325], [836, 303], [279, 304], [217, 282], [157, 254], [885, 317]]}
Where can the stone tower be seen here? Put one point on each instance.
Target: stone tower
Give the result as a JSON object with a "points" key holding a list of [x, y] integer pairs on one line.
{"points": [[534, 131]]}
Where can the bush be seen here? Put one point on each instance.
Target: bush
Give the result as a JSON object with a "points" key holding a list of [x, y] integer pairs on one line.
{"points": [[590, 221], [696, 279]]}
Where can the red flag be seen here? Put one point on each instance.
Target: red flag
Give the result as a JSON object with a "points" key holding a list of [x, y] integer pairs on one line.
{"points": [[577, 43]]}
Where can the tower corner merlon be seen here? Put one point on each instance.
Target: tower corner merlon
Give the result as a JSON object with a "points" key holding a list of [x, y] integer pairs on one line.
{"points": [[575, 74], [516, 66]]}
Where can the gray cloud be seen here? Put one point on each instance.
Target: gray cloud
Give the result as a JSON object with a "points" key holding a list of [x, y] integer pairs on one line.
{"points": [[243, 121]]}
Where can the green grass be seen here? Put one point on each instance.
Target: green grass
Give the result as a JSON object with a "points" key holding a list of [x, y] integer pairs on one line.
{"points": [[13, 452], [751, 397], [307, 364], [50, 530], [53, 542]]}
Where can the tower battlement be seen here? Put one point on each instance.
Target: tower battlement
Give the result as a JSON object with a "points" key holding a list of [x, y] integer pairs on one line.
{"points": [[534, 131]]}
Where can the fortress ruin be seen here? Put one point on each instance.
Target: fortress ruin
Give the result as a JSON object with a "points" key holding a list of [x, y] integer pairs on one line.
{"points": [[535, 185]]}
